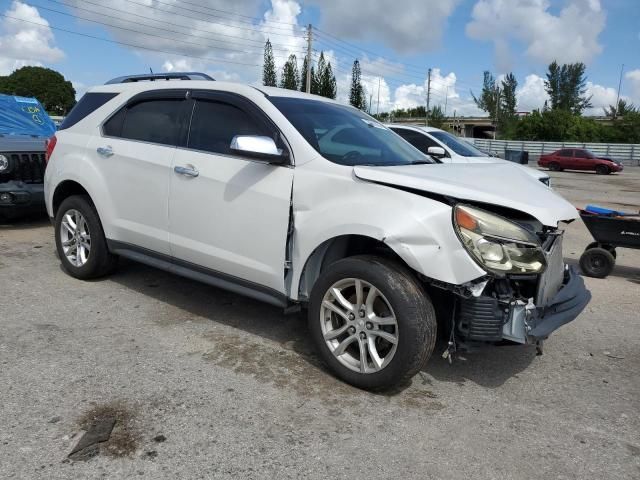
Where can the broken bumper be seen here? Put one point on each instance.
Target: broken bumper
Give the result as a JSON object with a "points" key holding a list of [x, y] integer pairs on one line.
{"points": [[486, 319], [568, 303]]}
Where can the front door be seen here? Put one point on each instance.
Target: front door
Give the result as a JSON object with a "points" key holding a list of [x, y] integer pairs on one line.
{"points": [[229, 214]]}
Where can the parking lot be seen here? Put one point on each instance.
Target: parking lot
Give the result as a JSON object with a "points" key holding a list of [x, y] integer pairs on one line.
{"points": [[208, 384]]}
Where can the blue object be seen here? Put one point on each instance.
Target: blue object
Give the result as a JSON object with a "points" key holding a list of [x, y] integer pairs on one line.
{"points": [[606, 211], [24, 116]]}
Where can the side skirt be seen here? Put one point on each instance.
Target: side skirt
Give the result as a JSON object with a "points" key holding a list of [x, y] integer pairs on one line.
{"points": [[198, 273]]}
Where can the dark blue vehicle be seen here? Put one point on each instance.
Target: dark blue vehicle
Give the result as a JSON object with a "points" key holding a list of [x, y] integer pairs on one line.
{"points": [[24, 130]]}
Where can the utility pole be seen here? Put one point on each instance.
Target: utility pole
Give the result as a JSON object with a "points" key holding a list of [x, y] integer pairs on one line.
{"points": [[378, 107], [426, 116], [446, 97], [615, 114], [309, 43]]}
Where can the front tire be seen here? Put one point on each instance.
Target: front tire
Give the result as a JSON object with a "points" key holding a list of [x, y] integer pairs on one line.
{"points": [[602, 170], [80, 240], [372, 322]]}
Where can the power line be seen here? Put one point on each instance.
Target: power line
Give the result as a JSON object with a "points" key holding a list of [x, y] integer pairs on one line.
{"points": [[235, 14], [207, 14], [210, 59], [159, 36], [162, 22]]}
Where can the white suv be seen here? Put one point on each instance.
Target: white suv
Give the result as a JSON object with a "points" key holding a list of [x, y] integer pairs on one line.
{"points": [[450, 149], [300, 201]]}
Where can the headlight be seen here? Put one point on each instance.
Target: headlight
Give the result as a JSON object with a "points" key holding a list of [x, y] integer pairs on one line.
{"points": [[4, 163], [497, 244]]}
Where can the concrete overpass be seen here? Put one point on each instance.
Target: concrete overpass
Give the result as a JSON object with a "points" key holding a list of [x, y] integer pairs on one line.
{"points": [[472, 127]]}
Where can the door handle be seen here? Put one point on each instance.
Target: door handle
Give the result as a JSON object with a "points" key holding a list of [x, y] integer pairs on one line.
{"points": [[186, 171], [105, 151]]}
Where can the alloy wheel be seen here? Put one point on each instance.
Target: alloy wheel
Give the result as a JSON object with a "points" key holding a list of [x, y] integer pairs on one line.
{"points": [[358, 325], [75, 238]]}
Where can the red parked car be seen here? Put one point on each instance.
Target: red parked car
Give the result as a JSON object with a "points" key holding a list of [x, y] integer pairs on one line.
{"points": [[579, 159]]}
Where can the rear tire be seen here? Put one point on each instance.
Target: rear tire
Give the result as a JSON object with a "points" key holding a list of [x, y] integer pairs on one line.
{"points": [[602, 170], [554, 167], [80, 239], [597, 262], [344, 321]]}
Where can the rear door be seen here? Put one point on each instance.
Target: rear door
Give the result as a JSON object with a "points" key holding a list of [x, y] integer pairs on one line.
{"points": [[232, 217], [134, 154], [565, 158]]}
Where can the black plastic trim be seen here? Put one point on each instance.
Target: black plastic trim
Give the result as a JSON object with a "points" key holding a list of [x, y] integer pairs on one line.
{"points": [[198, 273]]}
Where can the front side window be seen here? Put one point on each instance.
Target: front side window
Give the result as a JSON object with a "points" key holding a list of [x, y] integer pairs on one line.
{"points": [[214, 124], [461, 147], [345, 135], [566, 153], [154, 121]]}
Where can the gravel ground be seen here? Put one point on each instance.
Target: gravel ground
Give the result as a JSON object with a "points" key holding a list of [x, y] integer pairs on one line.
{"points": [[207, 384]]}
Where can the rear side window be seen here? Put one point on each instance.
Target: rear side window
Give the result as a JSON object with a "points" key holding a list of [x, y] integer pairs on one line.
{"points": [[214, 124], [88, 104], [154, 121]]}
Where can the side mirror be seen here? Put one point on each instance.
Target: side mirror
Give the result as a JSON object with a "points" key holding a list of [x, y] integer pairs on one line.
{"points": [[438, 152], [258, 147]]}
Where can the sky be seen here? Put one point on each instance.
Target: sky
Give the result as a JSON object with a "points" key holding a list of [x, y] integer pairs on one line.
{"points": [[396, 42]]}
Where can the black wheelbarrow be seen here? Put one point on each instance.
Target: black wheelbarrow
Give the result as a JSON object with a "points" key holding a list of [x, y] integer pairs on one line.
{"points": [[610, 229]]}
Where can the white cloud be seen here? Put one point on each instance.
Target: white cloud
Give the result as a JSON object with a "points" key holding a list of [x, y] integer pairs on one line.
{"points": [[532, 94], [407, 26], [23, 43], [633, 81], [570, 36]]}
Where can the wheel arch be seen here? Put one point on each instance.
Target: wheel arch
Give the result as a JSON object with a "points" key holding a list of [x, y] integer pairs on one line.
{"points": [[337, 248], [66, 189]]}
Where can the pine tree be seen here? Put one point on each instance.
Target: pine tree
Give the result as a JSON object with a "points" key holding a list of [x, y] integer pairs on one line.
{"points": [[328, 87], [621, 110], [290, 77], [490, 95], [509, 102], [269, 68], [317, 77], [303, 76], [356, 93]]}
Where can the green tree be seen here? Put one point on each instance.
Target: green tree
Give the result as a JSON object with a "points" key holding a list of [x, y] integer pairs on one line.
{"points": [[356, 93], [490, 95], [436, 117], [319, 73], [328, 87], [357, 96], [269, 67], [566, 86], [290, 77], [508, 100], [623, 108], [56, 94]]}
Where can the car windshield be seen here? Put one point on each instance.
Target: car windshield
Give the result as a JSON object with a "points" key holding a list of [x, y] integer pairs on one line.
{"points": [[461, 147], [346, 135]]}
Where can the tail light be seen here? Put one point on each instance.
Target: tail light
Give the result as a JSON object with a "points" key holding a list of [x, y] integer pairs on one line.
{"points": [[49, 146]]}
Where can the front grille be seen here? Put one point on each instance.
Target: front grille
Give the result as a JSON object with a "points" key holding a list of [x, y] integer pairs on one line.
{"points": [[27, 167], [481, 318]]}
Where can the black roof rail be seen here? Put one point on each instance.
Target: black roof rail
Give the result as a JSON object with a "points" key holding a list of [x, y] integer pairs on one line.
{"points": [[160, 76]]}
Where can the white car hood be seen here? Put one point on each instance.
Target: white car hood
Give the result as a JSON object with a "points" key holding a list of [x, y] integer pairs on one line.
{"points": [[493, 183], [531, 171]]}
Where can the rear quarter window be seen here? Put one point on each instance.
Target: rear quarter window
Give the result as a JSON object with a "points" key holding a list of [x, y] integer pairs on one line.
{"points": [[88, 104]]}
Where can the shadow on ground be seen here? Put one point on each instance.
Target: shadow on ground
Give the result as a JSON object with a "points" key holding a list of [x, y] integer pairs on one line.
{"points": [[24, 223], [489, 367]]}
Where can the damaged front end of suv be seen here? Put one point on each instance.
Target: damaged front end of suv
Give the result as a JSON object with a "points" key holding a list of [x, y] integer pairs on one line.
{"points": [[528, 291]]}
